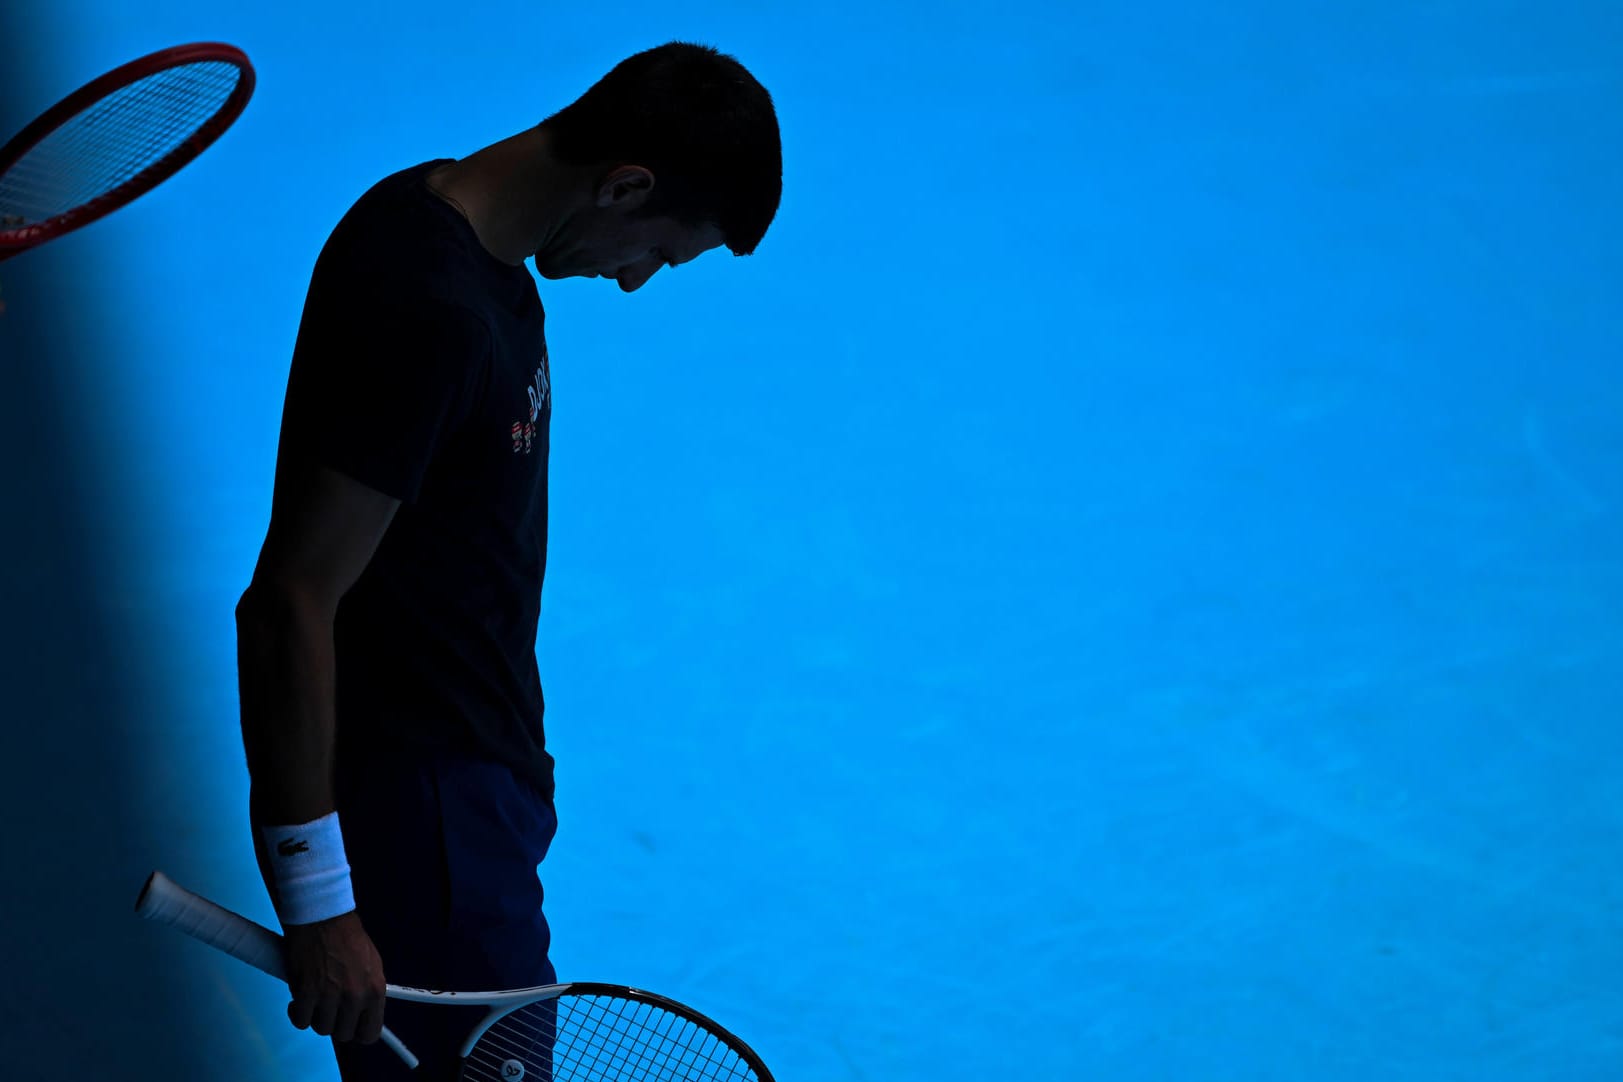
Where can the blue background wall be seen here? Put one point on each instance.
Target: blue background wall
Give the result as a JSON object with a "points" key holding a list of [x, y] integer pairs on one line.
{"points": [[1124, 584]]}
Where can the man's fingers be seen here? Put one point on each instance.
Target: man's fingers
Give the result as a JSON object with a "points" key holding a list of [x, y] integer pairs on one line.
{"points": [[341, 1017], [349, 1011], [369, 1027], [325, 1015]]}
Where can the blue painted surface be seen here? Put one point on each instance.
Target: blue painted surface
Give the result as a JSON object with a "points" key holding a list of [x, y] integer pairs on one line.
{"points": [[1124, 584]]}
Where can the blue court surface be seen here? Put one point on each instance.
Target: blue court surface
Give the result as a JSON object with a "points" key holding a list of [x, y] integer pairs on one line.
{"points": [[1126, 583]]}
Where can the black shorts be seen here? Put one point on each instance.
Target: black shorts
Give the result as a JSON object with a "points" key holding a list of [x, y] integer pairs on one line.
{"points": [[443, 856]]}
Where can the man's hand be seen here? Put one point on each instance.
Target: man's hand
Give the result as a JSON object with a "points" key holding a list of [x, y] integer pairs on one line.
{"points": [[336, 978]]}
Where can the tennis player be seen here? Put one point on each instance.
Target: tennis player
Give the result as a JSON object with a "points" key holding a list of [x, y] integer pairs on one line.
{"points": [[402, 793]]}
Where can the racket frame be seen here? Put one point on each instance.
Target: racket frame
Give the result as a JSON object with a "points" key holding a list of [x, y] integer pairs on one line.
{"points": [[18, 240], [167, 902]]}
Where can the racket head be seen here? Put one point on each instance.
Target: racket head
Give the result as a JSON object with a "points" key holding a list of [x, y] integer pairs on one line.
{"points": [[592, 1032], [116, 138]]}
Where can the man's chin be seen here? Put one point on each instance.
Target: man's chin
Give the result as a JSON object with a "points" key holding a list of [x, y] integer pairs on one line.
{"points": [[552, 274]]}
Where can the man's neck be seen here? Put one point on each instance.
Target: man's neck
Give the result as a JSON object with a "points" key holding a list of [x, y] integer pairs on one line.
{"points": [[510, 192]]}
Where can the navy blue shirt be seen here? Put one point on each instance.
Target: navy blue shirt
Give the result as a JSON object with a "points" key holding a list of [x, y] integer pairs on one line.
{"points": [[420, 370]]}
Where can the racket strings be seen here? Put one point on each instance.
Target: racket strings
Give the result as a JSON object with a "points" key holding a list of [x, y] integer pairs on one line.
{"points": [[118, 138], [596, 1038]]}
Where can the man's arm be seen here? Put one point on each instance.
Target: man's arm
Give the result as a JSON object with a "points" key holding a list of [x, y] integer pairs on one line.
{"points": [[324, 530]]}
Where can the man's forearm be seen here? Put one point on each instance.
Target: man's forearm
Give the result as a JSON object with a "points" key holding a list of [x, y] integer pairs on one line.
{"points": [[286, 678]]}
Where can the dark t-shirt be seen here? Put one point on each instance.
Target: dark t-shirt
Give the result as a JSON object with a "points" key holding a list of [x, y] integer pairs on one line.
{"points": [[421, 371]]}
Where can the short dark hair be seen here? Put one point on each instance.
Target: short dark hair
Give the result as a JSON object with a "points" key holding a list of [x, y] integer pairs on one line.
{"points": [[696, 119]]}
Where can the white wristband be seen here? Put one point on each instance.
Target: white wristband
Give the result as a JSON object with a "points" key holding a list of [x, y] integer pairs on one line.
{"points": [[310, 870]]}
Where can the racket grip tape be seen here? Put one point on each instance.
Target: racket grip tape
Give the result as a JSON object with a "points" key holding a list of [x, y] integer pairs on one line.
{"points": [[167, 902]]}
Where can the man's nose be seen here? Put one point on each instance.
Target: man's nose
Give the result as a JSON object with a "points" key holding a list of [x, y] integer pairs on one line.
{"points": [[637, 279]]}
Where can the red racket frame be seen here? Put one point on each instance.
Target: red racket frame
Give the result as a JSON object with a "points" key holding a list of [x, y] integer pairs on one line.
{"points": [[20, 240]]}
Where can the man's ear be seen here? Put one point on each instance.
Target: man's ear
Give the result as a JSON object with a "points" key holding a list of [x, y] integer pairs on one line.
{"points": [[626, 188]]}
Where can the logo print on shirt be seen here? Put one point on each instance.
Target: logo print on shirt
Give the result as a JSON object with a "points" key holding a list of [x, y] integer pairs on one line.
{"points": [[540, 392]]}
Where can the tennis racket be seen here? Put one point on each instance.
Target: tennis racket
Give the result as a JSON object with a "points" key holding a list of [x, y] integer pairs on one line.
{"points": [[116, 138], [576, 1032]]}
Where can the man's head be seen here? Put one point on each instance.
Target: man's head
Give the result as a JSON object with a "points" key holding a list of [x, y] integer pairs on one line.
{"points": [[610, 235], [673, 153]]}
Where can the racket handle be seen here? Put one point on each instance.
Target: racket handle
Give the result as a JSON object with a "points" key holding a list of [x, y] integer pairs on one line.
{"points": [[167, 902]]}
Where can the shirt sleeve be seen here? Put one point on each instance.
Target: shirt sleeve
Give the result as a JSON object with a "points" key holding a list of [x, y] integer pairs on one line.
{"points": [[378, 387]]}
